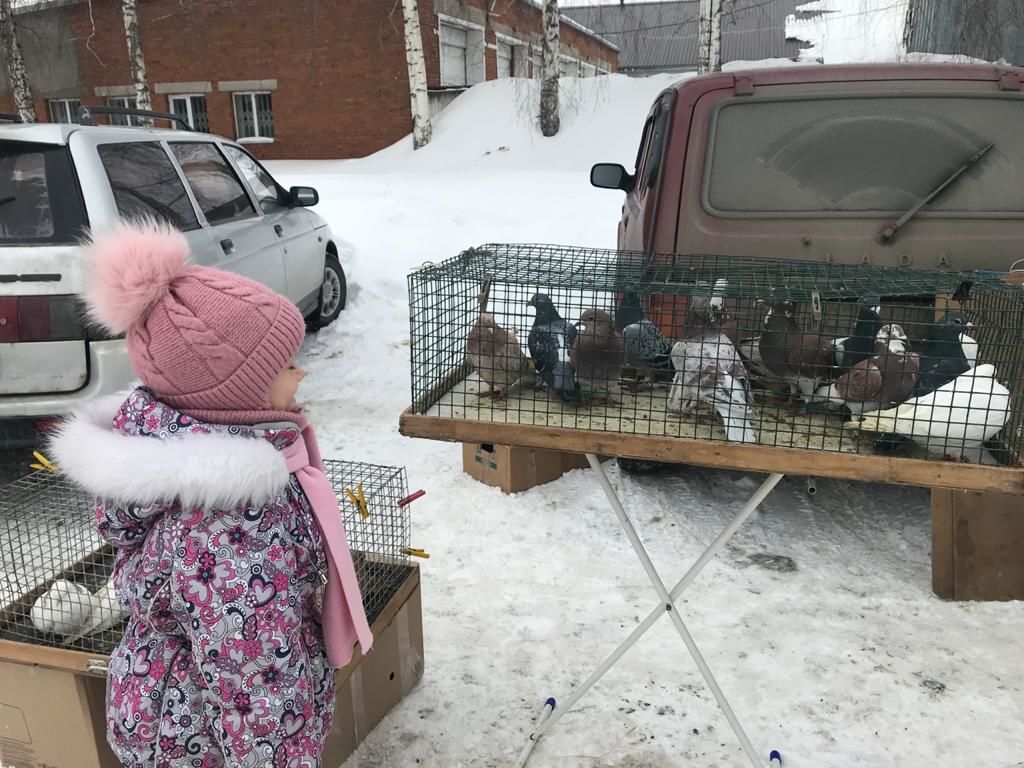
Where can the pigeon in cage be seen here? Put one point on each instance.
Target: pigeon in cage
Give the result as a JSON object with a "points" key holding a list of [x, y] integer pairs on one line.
{"points": [[63, 609], [597, 355], [107, 612], [710, 369], [954, 421], [648, 352], [802, 359], [947, 350], [496, 356], [860, 344], [550, 340], [881, 381]]}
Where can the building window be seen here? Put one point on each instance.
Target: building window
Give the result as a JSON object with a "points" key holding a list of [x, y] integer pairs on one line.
{"points": [[64, 110], [254, 116], [587, 70], [506, 66], [453, 55], [568, 67], [193, 109], [124, 102]]}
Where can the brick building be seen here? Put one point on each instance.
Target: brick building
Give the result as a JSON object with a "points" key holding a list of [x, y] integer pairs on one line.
{"points": [[295, 78]]}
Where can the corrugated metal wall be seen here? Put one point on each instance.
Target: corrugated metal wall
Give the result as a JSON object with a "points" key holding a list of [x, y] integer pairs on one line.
{"points": [[982, 29]]}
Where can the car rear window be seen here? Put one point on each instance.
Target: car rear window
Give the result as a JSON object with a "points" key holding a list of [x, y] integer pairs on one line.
{"points": [[40, 203], [145, 183], [864, 156]]}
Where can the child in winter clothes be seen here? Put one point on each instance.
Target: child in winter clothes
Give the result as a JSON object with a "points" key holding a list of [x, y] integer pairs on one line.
{"points": [[231, 555]]}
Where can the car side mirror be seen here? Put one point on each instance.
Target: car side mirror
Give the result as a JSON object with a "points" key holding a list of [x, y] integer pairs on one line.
{"points": [[303, 197], [611, 176]]}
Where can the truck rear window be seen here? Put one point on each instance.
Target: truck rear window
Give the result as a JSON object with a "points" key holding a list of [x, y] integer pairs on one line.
{"points": [[40, 203], [873, 156]]}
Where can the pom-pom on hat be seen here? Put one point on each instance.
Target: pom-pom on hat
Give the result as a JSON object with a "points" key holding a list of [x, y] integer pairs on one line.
{"points": [[204, 340]]}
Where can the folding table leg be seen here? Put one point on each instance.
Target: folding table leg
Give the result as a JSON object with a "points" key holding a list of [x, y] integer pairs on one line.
{"points": [[550, 715]]}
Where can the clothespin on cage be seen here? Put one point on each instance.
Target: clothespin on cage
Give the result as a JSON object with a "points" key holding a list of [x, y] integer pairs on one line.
{"points": [[411, 498], [43, 463], [358, 499], [415, 552]]}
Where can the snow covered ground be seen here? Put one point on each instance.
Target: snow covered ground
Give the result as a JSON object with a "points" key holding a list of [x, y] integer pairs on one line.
{"points": [[818, 620]]}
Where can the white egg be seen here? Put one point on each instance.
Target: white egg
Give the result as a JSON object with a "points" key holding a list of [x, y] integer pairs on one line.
{"points": [[62, 609]]}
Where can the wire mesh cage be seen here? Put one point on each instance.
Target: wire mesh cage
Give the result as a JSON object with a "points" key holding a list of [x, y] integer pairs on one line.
{"points": [[854, 359], [55, 571]]}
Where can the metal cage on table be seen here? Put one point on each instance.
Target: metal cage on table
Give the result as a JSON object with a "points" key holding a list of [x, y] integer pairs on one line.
{"points": [[48, 534], [759, 352]]}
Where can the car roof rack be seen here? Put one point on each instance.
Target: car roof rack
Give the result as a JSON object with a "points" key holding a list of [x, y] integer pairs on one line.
{"points": [[8, 118], [85, 114]]}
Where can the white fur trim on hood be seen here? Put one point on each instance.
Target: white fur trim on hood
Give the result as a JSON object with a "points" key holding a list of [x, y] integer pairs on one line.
{"points": [[213, 471]]}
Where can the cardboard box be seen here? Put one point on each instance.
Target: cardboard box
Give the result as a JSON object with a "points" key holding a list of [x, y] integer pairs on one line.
{"points": [[52, 711], [515, 469], [977, 541]]}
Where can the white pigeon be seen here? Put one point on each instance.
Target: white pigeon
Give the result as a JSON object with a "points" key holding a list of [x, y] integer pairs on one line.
{"points": [[953, 421], [709, 368], [63, 609], [106, 613]]}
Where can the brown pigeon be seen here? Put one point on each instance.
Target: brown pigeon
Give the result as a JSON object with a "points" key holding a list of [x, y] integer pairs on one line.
{"points": [[882, 381], [802, 359], [496, 356], [597, 355]]}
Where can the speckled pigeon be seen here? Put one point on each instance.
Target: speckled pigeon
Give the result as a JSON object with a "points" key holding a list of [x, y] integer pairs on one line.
{"points": [[648, 352], [709, 368], [550, 340]]}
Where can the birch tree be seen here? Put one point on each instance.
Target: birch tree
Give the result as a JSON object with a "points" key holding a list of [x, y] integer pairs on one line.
{"points": [[709, 55], [15, 62], [137, 62], [549, 121], [420, 103]]}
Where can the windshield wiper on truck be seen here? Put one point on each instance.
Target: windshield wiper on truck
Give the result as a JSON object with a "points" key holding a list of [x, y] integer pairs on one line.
{"points": [[889, 233]]}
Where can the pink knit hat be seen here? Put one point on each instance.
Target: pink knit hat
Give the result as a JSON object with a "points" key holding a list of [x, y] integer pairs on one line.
{"points": [[205, 341]]}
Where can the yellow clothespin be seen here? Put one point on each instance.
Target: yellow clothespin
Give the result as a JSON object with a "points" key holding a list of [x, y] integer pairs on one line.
{"points": [[44, 463], [415, 552], [359, 501]]}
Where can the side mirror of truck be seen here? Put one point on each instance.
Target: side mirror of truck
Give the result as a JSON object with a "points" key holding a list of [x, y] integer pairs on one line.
{"points": [[611, 176]]}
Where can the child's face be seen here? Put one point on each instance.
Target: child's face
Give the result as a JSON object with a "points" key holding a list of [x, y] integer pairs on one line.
{"points": [[284, 387]]}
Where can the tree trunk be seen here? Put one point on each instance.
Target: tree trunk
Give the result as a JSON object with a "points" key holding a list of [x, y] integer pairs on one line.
{"points": [[909, 22], [709, 54], [549, 121], [421, 128], [130, 12], [15, 61]]}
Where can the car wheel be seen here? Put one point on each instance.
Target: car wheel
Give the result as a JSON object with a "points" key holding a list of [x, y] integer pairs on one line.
{"points": [[333, 294]]}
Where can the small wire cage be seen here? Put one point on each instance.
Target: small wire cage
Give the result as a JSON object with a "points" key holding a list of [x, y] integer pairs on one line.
{"points": [[855, 359], [54, 568]]}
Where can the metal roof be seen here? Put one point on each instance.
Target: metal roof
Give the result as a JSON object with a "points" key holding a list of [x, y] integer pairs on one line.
{"points": [[662, 36]]}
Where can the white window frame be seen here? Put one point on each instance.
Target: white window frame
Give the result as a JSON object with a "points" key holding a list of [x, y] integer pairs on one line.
{"points": [[476, 68], [189, 115], [257, 139], [520, 52], [570, 59], [64, 105], [125, 102]]}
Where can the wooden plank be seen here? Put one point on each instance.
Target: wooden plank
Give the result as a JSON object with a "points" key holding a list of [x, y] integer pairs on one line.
{"points": [[988, 538], [754, 458], [943, 564], [62, 659]]}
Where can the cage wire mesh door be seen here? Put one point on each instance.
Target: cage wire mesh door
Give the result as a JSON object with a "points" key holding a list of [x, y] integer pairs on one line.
{"points": [[639, 354], [55, 571], [847, 360]]}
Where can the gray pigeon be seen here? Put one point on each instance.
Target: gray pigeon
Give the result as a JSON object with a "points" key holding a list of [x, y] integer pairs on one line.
{"points": [[709, 368], [550, 340], [648, 352], [597, 355]]}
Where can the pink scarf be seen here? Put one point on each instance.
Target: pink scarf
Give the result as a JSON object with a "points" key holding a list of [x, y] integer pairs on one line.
{"points": [[344, 619]]}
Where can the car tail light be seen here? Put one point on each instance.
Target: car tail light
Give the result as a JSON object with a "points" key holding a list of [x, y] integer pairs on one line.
{"points": [[40, 318]]}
